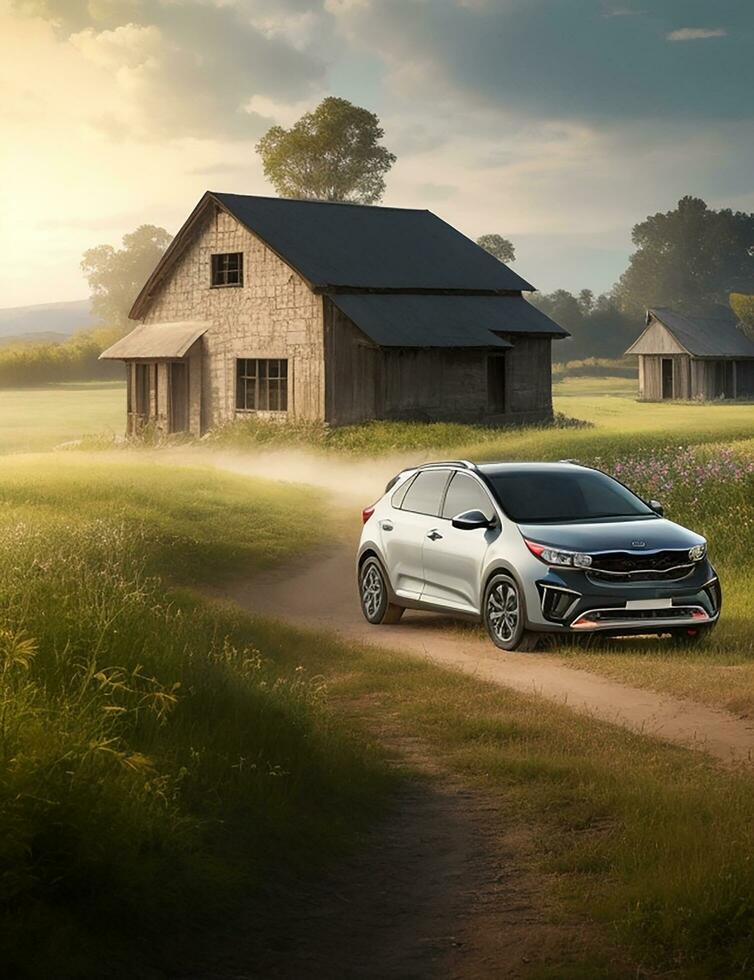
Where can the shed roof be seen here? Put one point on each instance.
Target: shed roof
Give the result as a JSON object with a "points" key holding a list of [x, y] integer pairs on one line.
{"points": [[154, 340], [712, 335], [443, 320]]}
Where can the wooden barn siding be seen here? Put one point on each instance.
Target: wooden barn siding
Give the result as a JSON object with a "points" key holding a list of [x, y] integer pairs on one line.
{"points": [[745, 379], [353, 371], [274, 314], [693, 378], [428, 384], [656, 339], [682, 377], [529, 376], [650, 377]]}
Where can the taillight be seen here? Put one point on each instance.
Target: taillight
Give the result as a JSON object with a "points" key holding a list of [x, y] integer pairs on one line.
{"points": [[367, 513]]}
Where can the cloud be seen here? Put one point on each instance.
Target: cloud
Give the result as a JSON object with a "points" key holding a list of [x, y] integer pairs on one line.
{"points": [[188, 69], [126, 48], [696, 33], [553, 60]]}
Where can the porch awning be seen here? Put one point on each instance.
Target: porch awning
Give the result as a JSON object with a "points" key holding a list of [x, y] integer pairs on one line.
{"points": [[154, 340]]}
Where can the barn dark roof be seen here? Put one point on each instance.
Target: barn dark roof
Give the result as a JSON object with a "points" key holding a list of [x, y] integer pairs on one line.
{"points": [[713, 335], [441, 320], [370, 247]]}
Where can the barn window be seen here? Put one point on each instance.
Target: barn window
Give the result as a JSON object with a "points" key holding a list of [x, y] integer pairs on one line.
{"points": [[227, 269], [496, 384], [261, 384]]}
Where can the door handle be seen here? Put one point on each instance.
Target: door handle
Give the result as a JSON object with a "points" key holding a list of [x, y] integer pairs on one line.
{"points": [[386, 525], [434, 535]]}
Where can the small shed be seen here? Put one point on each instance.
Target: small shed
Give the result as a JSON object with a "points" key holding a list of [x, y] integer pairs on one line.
{"points": [[693, 357]]}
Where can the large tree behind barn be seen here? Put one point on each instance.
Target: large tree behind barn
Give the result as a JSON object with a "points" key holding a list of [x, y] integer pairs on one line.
{"points": [[333, 153]]}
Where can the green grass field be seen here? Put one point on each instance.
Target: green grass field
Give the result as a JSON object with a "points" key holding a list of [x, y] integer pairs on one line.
{"points": [[590, 386], [37, 419], [163, 756], [156, 768], [650, 841]]}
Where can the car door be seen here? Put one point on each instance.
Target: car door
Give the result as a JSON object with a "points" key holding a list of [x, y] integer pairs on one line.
{"points": [[404, 531], [452, 559]]}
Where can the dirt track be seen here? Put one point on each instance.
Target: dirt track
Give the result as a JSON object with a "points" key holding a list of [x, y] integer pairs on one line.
{"points": [[321, 594]]}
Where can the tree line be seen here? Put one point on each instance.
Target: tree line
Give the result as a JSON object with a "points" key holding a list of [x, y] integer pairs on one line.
{"points": [[692, 258]]}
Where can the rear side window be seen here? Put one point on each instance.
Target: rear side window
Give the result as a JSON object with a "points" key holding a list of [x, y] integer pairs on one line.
{"points": [[464, 493], [397, 499], [424, 496]]}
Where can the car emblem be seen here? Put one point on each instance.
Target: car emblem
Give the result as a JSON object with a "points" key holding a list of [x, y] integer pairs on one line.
{"points": [[638, 544]]}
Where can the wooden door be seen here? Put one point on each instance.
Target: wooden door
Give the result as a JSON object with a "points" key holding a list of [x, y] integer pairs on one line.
{"points": [[667, 378], [179, 396]]}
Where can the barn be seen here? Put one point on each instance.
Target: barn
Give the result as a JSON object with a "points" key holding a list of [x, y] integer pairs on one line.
{"points": [[693, 357], [338, 313]]}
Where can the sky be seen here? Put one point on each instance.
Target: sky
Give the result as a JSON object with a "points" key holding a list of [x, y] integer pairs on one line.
{"points": [[556, 123]]}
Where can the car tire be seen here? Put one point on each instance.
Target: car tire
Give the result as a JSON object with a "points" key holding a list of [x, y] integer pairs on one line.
{"points": [[374, 595], [504, 614]]}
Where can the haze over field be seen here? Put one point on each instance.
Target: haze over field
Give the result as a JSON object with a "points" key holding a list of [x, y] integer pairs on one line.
{"points": [[559, 125]]}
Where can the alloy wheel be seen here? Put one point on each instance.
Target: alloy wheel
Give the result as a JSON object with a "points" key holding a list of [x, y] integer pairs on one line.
{"points": [[372, 590], [503, 611]]}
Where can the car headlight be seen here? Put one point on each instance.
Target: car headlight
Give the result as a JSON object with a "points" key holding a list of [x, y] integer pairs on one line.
{"points": [[698, 552], [554, 556]]}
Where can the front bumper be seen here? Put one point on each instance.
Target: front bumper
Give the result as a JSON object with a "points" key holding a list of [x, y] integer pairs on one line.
{"points": [[569, 601]]}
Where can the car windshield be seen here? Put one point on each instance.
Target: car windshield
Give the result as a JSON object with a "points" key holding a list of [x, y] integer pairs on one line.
{"points": [[557, 496]]}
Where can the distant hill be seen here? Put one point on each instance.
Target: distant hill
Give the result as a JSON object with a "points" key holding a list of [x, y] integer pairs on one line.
{"points": [[46, 318]]}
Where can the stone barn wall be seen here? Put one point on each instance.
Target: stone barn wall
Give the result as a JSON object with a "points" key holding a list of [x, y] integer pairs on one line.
{"points": [[273, 315]]}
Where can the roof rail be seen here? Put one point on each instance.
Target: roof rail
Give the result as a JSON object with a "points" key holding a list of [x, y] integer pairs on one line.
{"points": [[462, 464], [574, 461]]}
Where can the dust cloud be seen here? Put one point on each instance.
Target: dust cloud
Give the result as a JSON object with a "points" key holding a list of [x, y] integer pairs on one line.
{"points": [[359, 481]]}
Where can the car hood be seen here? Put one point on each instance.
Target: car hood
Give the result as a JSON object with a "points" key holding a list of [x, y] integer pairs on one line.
{"points": [[654, 534]]}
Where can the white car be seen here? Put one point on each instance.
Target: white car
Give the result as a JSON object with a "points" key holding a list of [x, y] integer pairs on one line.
{"points": [[532, 548]]}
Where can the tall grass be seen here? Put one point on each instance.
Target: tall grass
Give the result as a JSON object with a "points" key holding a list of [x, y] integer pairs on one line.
{"points": [[155, 766], [194, 523], [584, 424], [76, 359]]}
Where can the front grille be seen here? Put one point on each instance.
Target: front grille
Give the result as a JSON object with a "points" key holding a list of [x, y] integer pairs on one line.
{"points": [[654, 566]]}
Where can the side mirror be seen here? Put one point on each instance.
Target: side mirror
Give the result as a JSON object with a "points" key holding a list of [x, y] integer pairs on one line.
{"points": [[471, 520], [657, 507]]}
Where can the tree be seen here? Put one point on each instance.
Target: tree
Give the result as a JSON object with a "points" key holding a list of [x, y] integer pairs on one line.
{"points": [[586, 301], [743, 307], [597, 325], [116, 276], [690, 259], [330, 154], [500, 247]]}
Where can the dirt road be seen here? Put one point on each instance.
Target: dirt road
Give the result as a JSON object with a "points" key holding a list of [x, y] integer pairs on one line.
{"points": [[320, 593]]}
